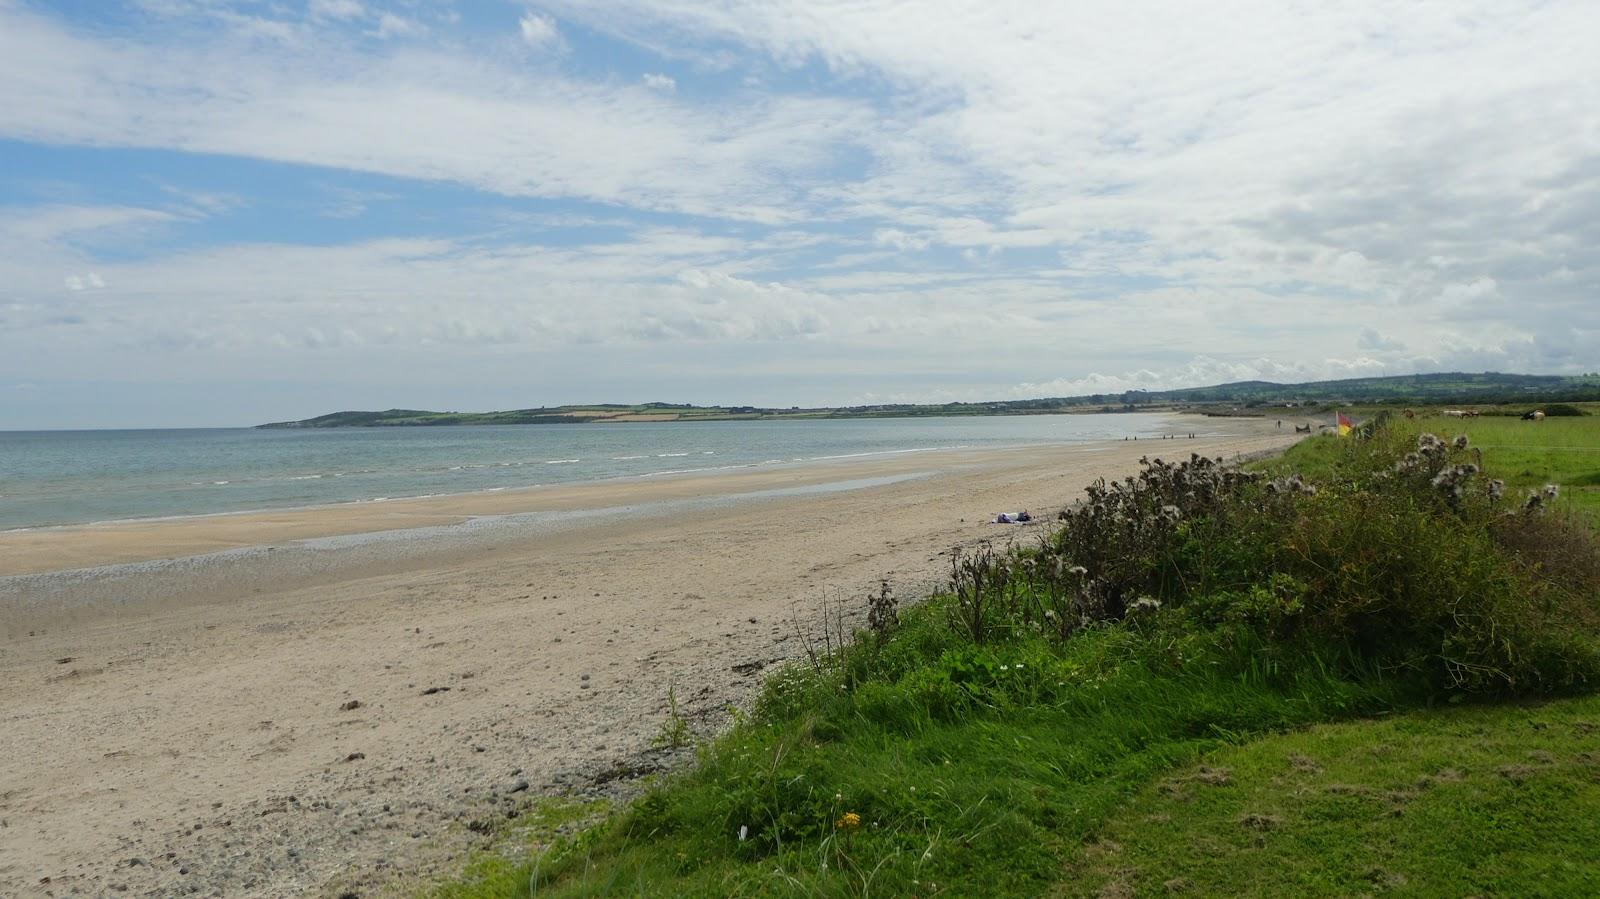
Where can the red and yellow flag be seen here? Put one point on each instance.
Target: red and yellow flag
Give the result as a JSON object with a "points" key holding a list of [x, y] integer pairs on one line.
{"points": [[1345, 425]]}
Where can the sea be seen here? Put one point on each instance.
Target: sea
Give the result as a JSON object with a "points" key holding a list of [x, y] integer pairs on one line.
{"points": [[52, 478]]}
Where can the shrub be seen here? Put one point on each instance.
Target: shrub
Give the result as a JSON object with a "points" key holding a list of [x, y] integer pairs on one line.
{"points": [[1403, 558]]}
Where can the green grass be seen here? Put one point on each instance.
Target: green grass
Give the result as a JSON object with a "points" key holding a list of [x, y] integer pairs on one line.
{"points": [[1049, 733], [1530, 454], [503, 871], [984, 799], [1496, 801], [1525, 454]]}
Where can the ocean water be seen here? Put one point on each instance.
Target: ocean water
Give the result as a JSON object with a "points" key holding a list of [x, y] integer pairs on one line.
{"points": [[72, 477]]}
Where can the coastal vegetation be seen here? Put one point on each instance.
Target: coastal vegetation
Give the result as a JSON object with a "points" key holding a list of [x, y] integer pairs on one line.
{"points": [[1493, 389], [1366, 666]]}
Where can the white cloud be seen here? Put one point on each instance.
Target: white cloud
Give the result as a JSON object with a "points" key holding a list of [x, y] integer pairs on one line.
{"points": [[538, 30], [1108, 196], [393, 26], [1371, 340], [67, 224], [490, 127], [91, 281], [336, 9], [900, 240], [1258, 142]]}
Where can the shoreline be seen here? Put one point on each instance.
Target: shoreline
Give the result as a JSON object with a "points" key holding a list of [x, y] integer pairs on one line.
{"points": [[414, 490], [219, 727], [516, 488], [49, 548]]}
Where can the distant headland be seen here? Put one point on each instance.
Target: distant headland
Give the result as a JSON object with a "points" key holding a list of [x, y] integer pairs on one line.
{"points": [[1446, 387]]}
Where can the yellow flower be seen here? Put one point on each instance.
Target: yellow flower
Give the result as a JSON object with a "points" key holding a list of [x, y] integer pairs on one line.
{"points": [[849, 821]]}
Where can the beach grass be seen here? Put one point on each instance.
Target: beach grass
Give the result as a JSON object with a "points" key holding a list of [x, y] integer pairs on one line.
{"points": [[1323, 672]]}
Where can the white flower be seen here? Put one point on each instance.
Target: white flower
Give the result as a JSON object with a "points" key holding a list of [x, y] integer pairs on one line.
{"points": [[1145, 604]]}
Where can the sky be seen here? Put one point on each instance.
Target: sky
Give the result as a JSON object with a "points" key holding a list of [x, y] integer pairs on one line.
{"points": [[222, 212]]}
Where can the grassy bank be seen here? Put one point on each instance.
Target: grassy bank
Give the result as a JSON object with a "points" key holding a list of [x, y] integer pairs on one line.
{"points": [[1525, 454], [1499, 800], [1025, 733]]}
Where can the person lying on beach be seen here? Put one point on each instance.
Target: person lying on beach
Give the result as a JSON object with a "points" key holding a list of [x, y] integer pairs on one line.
{"points": [[1013, 518]]}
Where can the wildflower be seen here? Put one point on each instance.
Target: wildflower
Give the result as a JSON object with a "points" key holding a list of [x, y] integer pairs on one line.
{"points": [[1452, 480], [848, 821], [1145, 604], [1460, 442], [1538, 499], [744, 831], [1496, 488]]}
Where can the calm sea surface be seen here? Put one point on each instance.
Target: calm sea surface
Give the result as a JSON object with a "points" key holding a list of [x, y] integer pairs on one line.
{"points": [[71, 477]]}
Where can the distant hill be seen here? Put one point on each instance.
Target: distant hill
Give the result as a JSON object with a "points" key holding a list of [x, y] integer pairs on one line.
{"points": [[1486, 388], [1445, 387]]}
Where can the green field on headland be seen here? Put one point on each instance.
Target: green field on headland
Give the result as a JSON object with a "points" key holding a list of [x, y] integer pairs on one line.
{"points": [[1492, 388], [1368, 667]]}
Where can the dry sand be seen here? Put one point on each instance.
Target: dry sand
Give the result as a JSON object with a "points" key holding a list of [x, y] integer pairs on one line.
{"points": [[191, 737]]}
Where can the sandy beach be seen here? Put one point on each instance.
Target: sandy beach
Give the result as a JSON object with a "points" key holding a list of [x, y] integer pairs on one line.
{"points": [[345, 698]]}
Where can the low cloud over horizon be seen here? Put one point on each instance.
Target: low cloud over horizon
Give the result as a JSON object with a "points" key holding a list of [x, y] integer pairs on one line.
{"points": [[233, 211]]}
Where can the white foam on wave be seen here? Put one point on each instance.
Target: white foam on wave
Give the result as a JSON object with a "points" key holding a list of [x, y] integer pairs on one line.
{"points": [[693, 470], [893, 452], [669, 455], [560, 461]]}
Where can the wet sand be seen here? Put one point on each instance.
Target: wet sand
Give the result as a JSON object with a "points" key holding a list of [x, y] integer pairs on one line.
{"points": [[193, 736]]}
